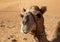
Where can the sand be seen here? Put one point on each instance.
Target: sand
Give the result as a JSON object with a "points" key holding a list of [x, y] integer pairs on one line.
{"points": [[10, 19]]}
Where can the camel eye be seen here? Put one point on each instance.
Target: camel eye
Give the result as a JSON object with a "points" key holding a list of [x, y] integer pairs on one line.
{"points": [[38, 15]]}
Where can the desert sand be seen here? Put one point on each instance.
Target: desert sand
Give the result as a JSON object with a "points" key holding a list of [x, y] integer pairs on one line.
{"points": [[10, 19]]}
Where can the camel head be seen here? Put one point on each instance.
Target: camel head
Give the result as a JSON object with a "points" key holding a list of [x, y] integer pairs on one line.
{"points": [[29, 18]]}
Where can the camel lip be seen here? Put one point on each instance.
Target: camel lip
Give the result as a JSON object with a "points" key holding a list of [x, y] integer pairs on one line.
{"points": [[25, 32]]}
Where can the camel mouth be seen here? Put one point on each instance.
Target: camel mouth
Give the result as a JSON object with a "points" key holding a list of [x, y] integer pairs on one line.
{"points": [[24, 29], [25, 32]]}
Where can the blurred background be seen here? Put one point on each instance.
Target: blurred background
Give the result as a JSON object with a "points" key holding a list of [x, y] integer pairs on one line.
{"points": [[10, 19]]}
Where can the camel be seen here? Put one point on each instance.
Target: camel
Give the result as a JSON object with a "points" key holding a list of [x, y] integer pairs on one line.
{"points": [[33, 22]]}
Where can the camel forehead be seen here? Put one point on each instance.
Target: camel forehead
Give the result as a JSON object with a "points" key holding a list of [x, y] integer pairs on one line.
{"points": [[27, 14], [34, 12]]}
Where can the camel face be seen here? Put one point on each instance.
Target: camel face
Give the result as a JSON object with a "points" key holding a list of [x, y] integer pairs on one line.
{"points": [[27, 23], [30, 18]]}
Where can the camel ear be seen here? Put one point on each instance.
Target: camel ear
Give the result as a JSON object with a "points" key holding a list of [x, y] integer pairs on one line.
{"points": [[43, 9], [24, 10], [22, 15]]}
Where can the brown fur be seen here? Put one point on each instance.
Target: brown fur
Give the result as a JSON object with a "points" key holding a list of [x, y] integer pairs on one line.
{"points": [[41, 36]]}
